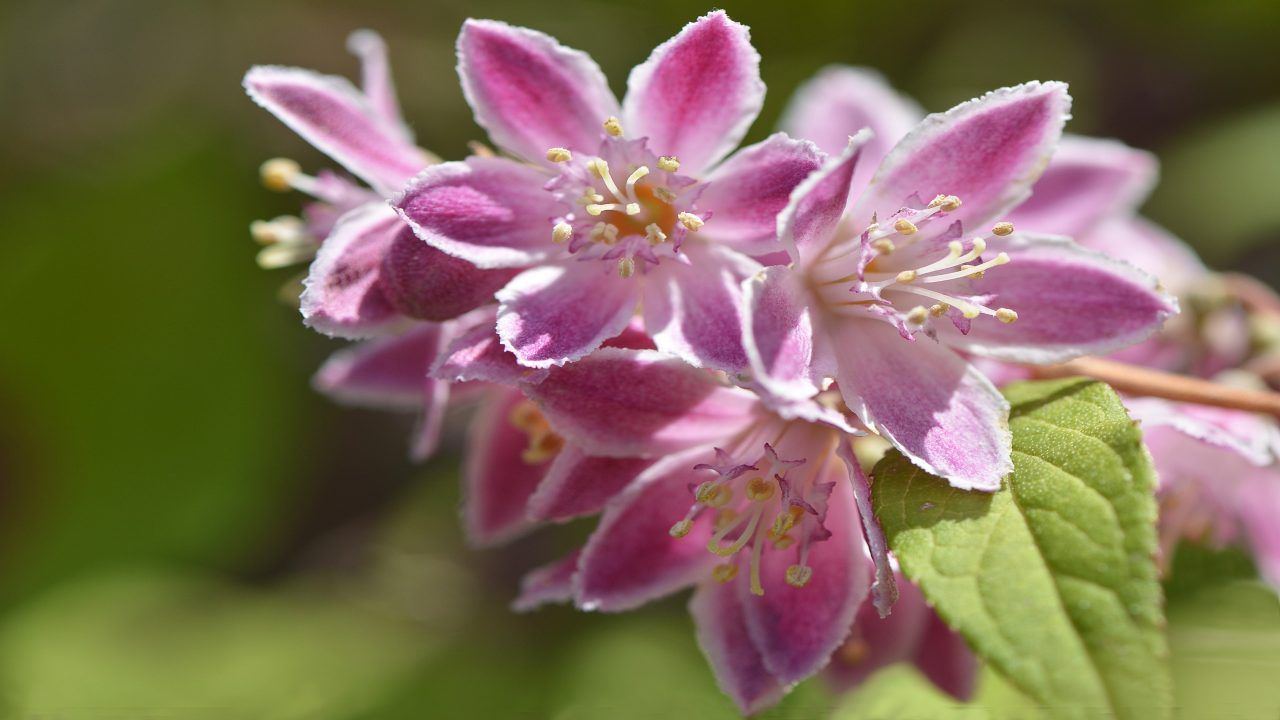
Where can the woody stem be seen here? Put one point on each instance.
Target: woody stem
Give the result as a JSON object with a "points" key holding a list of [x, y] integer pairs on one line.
{"points": [[1155, 383]]}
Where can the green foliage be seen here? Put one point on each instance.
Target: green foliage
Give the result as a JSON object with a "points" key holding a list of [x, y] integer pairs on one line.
{"points": [[1052, 579]]}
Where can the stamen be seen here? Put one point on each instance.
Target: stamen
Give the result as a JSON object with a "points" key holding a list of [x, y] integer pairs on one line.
{"points": [[715, 546], [654, 234], [561, 232], [757, 549], [278, 174], [713, 494], [918, 315], [884, 246], [905, 227], [947, 203], [906, 276], [284, 229], [604, 232], [669, 163], [968, 271], [798, 575], [783, 523], [589, 195], [612, 126], [665, 195], [691, 222], [939, 309], [725, 518], [559, 155], [681, 528], [1006, 316], [634, 178], [759, 489], [725, 572], [1002, 229], [596, 209], [626, 267]]}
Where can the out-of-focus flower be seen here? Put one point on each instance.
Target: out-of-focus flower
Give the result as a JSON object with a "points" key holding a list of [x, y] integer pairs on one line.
{"points": [[763, 510], [370, 273], [1219, 478], [886, 291], [604, 223]]}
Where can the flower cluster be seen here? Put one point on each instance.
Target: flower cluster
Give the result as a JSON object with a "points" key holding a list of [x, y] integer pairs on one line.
{"points": [[693, 341]]}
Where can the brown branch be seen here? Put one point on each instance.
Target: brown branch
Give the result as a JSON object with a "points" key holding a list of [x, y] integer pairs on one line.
{"points": [[1155, 383]]}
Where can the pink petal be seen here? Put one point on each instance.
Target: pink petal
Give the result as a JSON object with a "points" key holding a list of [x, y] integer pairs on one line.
{"points": [[383, 373], [797, 629], [491, 212], [498, 481], [876, 642], [333, 116], [838, 102], [554, 314], [987, 151], [697, 93], [925, 399], [694, 311], [884, 590], [425, 283], [1259, 508], [530, 92], [1088, 181], [375, 79], [946, 660], [786, 356], [722, 635], [632, 558], [1070, 302], [808, 222], [630, 403], [579, 484], [747, 191], [550, 583], [343, 295], [476, 354], [1145, 245], [426, 436]]}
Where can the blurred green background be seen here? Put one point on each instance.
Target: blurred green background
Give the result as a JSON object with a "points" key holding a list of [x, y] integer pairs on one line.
{"points": [[186, 530]]}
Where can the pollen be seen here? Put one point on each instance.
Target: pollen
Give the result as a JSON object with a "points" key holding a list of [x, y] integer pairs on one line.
{"points": [[906, 276], [973, 272], [669, 163], [278, 174], [1006, 316], [604, 232], [918, 315], [947, 203], [542, 447], [681, 528], [798, 575], [905, 227], [884, 246], [665, 195], [613, 126], [714, 494], [654, 234], [559, 155], [626, 267], [561, 232], [725, 518], [759, 489], [725, 572], [783, 523], [939, 309], [691, 222], [1002, 229]]}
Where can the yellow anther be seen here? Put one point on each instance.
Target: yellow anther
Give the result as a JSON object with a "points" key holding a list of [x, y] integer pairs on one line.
{"points": [[970, 312], [725, 572], [714, 494], [681, 528], [626, 267], [905, 227], [613, 127], [799, 575], [939, 309], [605, 233], [947, 203], [669, 163], [665, 195], [884, 246], [759, 489], [542, 447], [725, 518], [975, 275], [918, 315], [598, 166], [1006, 316], [561, 232], [526, 416], [654, 234], [278, 174], [784, 542], [956, 248], [906, 276], [783, 523], [1001, 259], [1002, 229], [979, 246], [589, 196], [479, 149], [284, 229], [632, 209], [559, 155], [690, 221]]}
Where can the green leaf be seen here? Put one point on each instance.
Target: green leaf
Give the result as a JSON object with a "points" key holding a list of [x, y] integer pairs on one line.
{"points": [[1051, 579]]}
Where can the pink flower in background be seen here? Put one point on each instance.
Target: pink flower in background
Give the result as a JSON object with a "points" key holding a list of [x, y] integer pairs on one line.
{"points": [[763, 510], [888, 291], [370, 274], [605, 223]]}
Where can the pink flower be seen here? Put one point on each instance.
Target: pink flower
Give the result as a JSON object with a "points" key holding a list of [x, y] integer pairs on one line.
{"points": [[607, 224], [888, 291], [371, 274], [763, 510]]}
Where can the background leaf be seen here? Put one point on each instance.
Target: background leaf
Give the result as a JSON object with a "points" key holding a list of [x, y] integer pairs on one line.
{"points": [[1052, 579]]}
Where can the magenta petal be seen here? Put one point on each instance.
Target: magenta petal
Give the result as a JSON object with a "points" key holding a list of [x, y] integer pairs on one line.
{"points": [[786, 356], [628, 403], [632, 558], [946, 660], [1145, 245], [343, 294], [748, 190], [498, 481], [884, 591], [1087, 181], [426, 436], [876, 642], [941, 412], [987, 151], [382, 373], [722, 635], [477, 354], [838, 102], [1070, 302], [550, 583], [332, 115], [694, 311], [375, 79], [491, 212], [579, 484], [423, 282], [554, 314], [697, 94], [807, 224], [530, 92], [797, 629]]}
